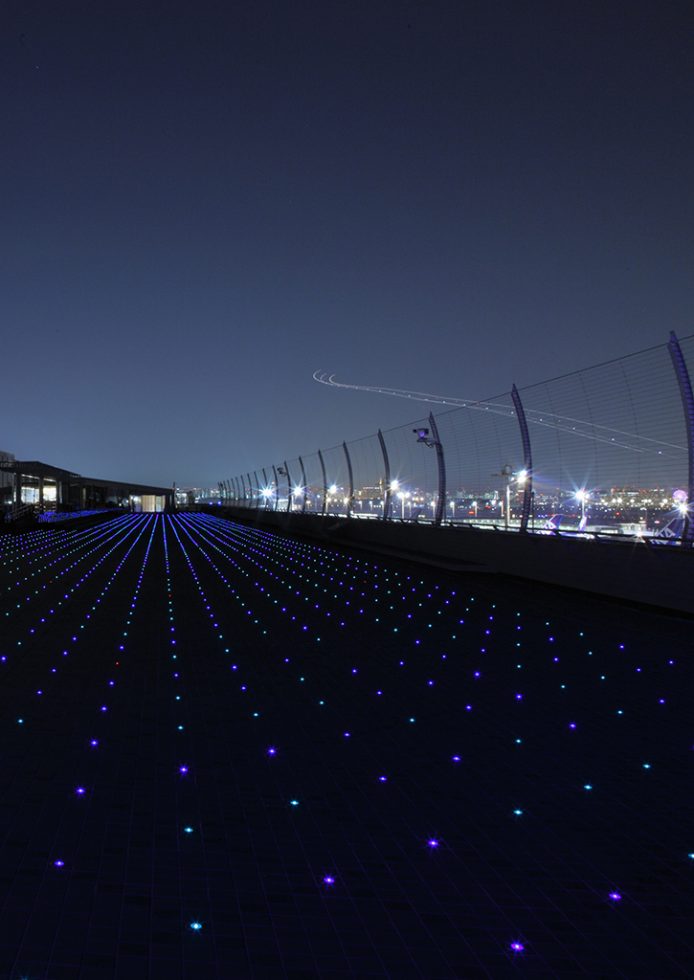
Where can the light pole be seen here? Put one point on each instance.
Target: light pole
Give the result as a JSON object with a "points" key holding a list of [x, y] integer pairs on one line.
{"points": [[582, 495]]}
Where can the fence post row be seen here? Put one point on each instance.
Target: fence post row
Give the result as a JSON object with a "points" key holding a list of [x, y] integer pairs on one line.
{"points": [[325, 483], [289, 487], [685, 386], [277, 486], [254, 492], [527, 458], [386, 471], [350, 499], [441, 500], [303, 484]]}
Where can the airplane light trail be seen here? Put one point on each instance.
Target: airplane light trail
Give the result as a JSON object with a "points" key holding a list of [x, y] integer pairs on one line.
{"points": [[561, 423]]}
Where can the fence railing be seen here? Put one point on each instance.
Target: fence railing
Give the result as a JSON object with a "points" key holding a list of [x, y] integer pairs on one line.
{"points": [[608, 450]]}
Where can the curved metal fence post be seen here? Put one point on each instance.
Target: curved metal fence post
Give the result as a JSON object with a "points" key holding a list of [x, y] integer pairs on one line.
{"points": [[257, 490], [239, 495], [243, 489], [386, 470], [289, 487], [325, 483], [277, 487], [350, 499], [527, 458], [250, 490], [265, 488], [687, 396], [441, 502], [303, 484]]}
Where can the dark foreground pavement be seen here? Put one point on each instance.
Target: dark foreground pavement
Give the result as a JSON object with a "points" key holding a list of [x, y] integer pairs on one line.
{"points": [[228, 754]]}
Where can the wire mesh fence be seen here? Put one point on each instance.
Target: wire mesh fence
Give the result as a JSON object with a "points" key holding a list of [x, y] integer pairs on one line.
{"points": [[608, 450]]}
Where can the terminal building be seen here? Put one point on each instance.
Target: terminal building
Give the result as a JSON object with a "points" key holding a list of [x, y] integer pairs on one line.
{"points": [[31, 485]]}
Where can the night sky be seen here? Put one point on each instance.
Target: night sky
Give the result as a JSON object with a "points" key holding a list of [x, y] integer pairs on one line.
{"points": [[204, 203]]}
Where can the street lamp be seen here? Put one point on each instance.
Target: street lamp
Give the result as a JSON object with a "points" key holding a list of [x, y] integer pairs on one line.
{"points": [[581, 496]]}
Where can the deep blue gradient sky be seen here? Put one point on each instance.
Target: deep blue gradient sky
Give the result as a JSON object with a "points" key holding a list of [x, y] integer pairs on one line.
{"points": [[203, 203]]}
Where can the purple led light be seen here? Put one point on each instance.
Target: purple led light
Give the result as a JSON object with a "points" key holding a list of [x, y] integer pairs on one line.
{"points": [[272, 750], [58, 863], [517, 947], [433, 843], [615, 897], [183, 770], [80, 791], [328, 880]]}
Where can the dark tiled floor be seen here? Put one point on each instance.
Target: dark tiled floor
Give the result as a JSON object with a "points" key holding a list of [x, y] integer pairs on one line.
{"points": [[386, 770]]}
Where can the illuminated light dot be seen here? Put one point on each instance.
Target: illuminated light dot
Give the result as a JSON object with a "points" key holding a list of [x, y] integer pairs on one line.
{"points": [[328, 880], [517, 947], [411, 721], [518, 813], [187, 830], [20, 721], [80, 791], [272, 750], [195, 925], [383, 779], [455, 758], [179, 727], [615, 897], [58, 863], [646, 765], [519, 697], [572, 724], [519, 741], [468, 707], [587, 786], [433, 843], [293, 802], [183, 770]]}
